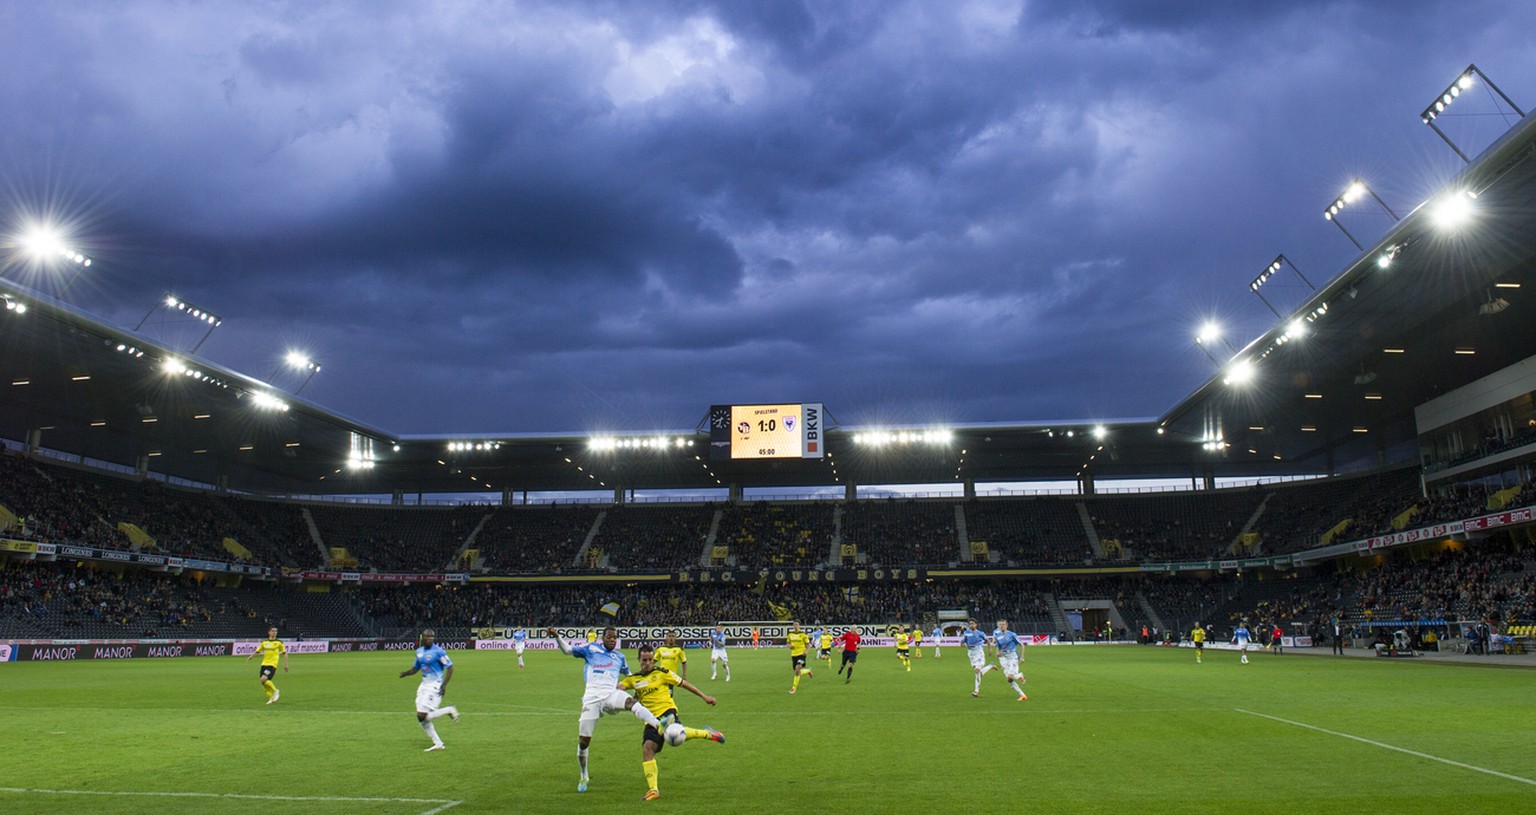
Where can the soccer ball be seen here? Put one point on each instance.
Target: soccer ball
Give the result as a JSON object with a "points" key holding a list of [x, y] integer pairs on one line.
{"points": [[675, 734]]}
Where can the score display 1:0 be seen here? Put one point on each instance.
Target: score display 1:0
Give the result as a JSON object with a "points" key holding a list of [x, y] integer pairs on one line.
{"points": [[766, 431]]}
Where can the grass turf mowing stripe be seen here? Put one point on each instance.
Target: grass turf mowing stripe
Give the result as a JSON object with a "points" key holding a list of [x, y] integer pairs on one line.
{"points": [[1383, 745], [444, 802]]}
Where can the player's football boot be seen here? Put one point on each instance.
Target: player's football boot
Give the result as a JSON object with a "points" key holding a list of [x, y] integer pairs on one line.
{"points": [[581, 786], [651, 795], [715, 735]]}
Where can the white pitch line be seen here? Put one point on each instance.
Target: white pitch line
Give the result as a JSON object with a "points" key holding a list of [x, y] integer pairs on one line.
{"points": [[445, 803], [1362, 740], [1040, 709]]}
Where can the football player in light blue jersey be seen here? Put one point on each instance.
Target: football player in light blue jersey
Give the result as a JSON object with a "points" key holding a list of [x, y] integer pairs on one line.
{"points": [[935, 635], [519, 642], [975, 642], [717, 653], [1240, 638], [1007, 644], [436, 670], [605, 666]]}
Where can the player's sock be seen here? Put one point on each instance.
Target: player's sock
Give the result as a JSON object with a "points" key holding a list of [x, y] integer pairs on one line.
{"points": [[441, 712], [850, 675], [581, 758], [976, 685], [651, 773], [988, 669], [269, 688], [727, 671], [430, 730], [519, 662], [646, 716], [698, 733], [1016, 688], [795, 684]]}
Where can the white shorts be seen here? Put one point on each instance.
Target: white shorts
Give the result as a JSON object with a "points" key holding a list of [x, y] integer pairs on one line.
{"points": [[596, 706], [428, 696], [978, 657], [1009, 664], [1242, 645], [718, 653], [518, 647]]}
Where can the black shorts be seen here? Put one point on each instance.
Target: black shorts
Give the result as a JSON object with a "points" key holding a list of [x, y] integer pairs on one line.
{"points": [[268, 671], [797, 661], [652, 735], [850, 656], [1199, 646], [824, 653], [901, 652]]}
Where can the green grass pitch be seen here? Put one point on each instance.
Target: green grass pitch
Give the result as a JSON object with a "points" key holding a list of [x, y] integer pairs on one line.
{"points": [[1106, 730]]}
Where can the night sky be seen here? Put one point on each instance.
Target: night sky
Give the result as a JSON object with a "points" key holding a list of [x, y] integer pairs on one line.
{"points": [[487, 217]]}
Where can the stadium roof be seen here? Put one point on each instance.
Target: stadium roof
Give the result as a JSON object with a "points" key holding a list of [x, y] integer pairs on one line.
{"points": [[1379, 341]]}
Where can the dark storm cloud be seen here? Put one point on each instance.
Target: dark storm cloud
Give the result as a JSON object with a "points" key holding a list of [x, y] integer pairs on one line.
{"points": [[607, 215]]}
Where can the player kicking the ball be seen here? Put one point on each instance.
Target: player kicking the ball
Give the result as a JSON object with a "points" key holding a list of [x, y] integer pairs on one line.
{"points": [[653, 687]]}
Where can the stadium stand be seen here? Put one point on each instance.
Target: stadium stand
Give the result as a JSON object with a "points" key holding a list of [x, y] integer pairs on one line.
{"points": [[654, 538], [1299, 516], [891, 532], [534, 540], [397, 539], [1172, 526], [763, 535], [1028, 531]]}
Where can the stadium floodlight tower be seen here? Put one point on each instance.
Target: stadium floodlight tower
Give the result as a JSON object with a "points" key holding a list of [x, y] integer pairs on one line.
{"points": [[302, 362], [1471, 76], [1275, 266], [1209, 334], [171, 302], [1356, 190]]}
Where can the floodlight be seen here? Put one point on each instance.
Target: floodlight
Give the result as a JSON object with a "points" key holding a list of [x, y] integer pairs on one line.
{"points": [[267, 401], [1465, 81], [1275, 266], [1356, 190], [1099, 432], [1241, 373], [173, 303], [1453, 210]]}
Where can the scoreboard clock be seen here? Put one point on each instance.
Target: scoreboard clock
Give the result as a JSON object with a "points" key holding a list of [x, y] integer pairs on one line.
{"points": [[739, 432]]}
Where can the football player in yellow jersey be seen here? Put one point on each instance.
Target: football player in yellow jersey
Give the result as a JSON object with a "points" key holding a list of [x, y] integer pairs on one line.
{"points": [[1198, 635], [672, 657], [652, 687], [798, 641], [825, 646], [903, 651], [271, 649], [917, 641]]}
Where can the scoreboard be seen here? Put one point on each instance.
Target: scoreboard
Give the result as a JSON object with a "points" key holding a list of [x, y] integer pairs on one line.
{"points": [[766, 431]]}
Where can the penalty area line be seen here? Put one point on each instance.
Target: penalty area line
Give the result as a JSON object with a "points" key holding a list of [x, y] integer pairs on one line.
{"points": [[1386, 746], [444, 803]]}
